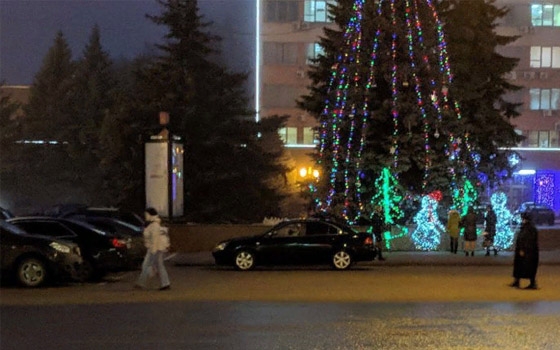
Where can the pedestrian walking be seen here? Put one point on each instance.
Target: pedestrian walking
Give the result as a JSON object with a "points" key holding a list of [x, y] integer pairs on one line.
{"points": [[378, 228], [156, 243], [453, 229], [526, 259], [468, 222], [490, 220]]}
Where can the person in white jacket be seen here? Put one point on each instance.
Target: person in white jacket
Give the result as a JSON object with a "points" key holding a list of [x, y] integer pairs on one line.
{"points": [[156, 246]]}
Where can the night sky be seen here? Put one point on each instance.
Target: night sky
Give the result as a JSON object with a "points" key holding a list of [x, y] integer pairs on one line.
{"points": [[28, 30]]}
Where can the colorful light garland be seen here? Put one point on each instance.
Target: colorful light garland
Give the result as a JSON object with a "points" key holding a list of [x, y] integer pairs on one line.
{"points": [[346, 115]]}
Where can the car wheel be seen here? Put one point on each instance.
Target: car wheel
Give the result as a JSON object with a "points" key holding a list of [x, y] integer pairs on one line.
{"points": [[342, 260], [244, 260], [32, 272]]}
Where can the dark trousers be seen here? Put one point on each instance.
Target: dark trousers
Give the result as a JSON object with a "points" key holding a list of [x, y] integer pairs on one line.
{"points": [[454, 243]]}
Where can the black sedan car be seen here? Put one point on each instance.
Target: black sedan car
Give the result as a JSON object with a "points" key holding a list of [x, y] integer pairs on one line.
{"points": [[102, 252], [37, 260], [80, 211], [133, 234], [306, 241]]}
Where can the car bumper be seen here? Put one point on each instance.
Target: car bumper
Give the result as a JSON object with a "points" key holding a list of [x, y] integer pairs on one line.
{"points": [[65, 267], [112, 260], [365, 254], [222, 258]]}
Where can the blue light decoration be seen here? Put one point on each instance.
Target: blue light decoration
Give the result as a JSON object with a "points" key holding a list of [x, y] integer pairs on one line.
{"points": [[427, 235], [544, 189], [504, 233]]}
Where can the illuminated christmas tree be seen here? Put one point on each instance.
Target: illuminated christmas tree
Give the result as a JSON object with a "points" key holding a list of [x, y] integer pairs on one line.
{"points": [[388, 104]]}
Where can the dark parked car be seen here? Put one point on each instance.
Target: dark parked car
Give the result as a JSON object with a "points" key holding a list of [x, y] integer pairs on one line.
{"points": [[80, 210], [5, 214], [306, 241], [102, 252], [542, 214], [37, 260], [132, 233]]}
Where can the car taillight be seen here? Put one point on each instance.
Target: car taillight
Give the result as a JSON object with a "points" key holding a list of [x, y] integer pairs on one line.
{"points": [[368, 240], [118, 243]]}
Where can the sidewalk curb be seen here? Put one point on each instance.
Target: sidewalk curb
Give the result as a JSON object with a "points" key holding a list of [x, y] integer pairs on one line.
{"points": [[401, 258]]}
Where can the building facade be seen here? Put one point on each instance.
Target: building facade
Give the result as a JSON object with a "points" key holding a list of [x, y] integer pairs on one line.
{"points": [[288, 35]]}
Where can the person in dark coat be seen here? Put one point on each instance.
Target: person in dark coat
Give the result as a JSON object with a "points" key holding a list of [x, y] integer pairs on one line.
{"points": [[526, 260], [378, 228], [490, 230], [468, 222]]}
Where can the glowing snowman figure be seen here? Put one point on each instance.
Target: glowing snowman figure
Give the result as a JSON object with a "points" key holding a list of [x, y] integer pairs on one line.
{"points": [[427, 235], [504, 233]]}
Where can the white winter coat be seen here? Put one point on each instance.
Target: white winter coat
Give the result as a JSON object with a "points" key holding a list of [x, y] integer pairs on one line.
{"points": [[152, 236]]}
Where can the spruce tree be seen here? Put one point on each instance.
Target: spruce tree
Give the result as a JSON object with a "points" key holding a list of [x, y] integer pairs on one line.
{"points": [[9, 134], [228, 172], [480, 72], [92, 91], [45, 168], [390, 67]]}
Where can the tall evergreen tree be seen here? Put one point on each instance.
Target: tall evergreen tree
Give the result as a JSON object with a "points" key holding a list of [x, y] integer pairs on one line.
{"points": [[228, 172], [49, 112], [391, 71], [45, 167], [480, 72], [9, 134], [91, 93]]}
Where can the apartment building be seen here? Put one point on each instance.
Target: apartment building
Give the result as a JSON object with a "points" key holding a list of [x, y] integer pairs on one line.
{"points": [[288, 32]]}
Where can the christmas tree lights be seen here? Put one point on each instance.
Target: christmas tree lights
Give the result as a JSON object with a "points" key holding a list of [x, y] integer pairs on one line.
{"points": [[417, 68], [504, 233], [427, 234]]}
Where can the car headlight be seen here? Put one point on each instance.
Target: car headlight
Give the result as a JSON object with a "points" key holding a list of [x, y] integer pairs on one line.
{"points": [[60, 247], [220, 246]]}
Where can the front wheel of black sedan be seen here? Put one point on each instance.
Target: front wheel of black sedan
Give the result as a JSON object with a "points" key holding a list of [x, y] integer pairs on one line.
{"points": [[244, 260], [341, 260], [32, 272]]}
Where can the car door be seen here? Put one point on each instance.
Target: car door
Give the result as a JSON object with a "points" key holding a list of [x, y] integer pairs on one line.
{"points": [[319, 242], [279, 245]]}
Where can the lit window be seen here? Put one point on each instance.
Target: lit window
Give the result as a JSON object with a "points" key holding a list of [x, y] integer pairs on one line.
{"points": [[545, 99], [532, 139], [309, 136], [545, 15], [288, 135], [313, 52], [545, 57], [317, 10], [542, 138]]}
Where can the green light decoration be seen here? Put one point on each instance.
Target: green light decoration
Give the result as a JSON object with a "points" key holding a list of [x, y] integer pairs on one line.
{"points": [[388, 197], [465, 197], [427, 234], [397, 231], [504, 233]]}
